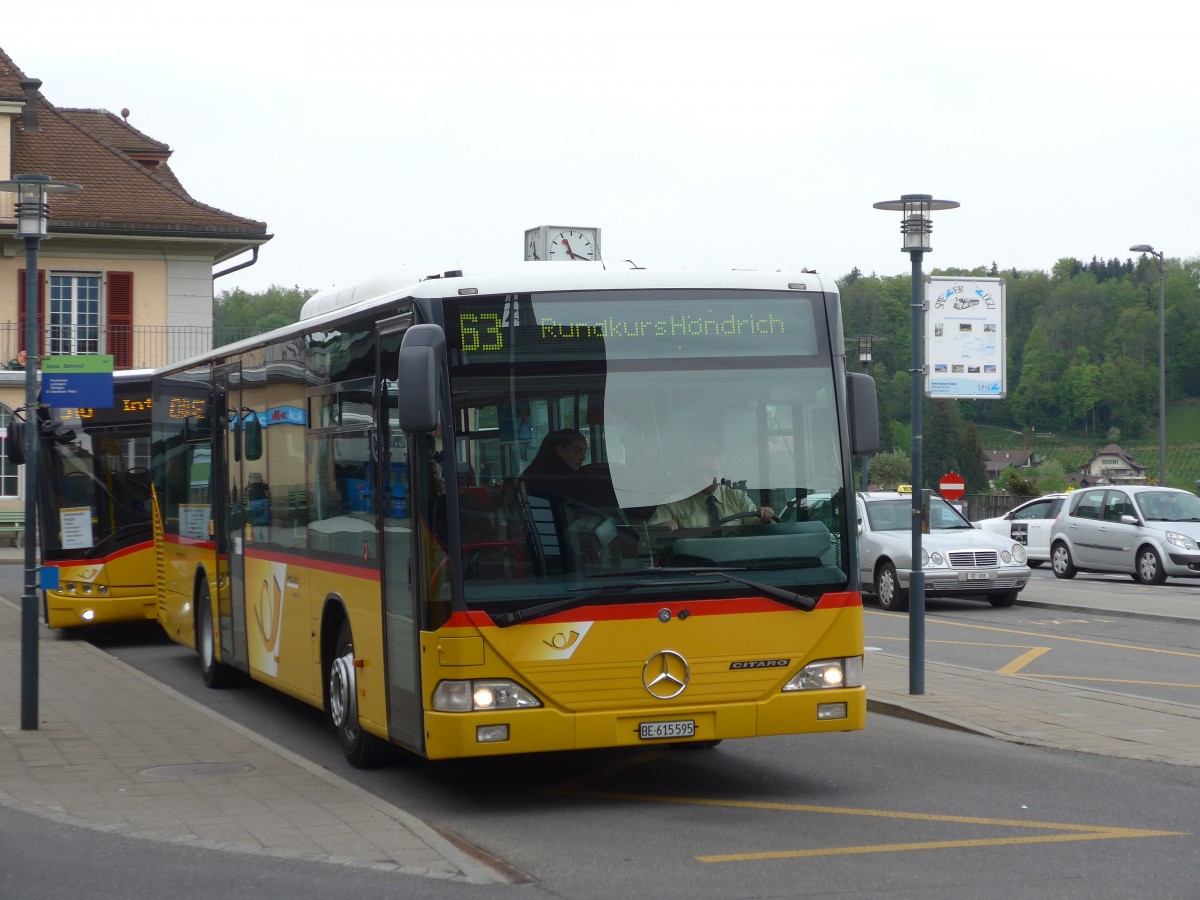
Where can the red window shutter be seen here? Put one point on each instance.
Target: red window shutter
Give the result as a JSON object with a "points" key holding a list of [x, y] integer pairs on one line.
{"points": [[119, 319], [41, 310]]}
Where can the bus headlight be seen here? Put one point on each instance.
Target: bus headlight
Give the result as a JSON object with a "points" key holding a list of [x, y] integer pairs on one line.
{"points": [[482, 694], [827, 673]]}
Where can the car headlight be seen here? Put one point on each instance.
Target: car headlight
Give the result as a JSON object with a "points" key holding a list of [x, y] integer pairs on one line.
{"points": [[932, 559], [827, 673], [1182, 541], [1016, 554]]}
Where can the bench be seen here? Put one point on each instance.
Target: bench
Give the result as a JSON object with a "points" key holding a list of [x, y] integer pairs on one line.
{"points": [[12, 522]]}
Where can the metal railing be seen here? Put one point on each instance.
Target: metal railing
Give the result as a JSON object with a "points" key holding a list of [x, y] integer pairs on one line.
{"points": [[132, 346]]}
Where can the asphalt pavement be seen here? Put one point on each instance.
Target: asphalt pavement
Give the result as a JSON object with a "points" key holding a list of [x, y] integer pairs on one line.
{"points": [[120, 752]]}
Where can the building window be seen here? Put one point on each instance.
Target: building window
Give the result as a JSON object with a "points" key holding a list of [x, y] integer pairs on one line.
{"points": [[73, 314], [10, 481]]}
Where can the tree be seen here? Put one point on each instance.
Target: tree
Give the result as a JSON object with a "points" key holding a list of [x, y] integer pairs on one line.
{"points": [[1012, 481], [940, 445], [890, 469], [973, 464], [238, 314], [1049, 476], [1081, 388]]}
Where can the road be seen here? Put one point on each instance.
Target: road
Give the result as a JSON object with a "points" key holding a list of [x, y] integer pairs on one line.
{"points": [[1073, 641], [898, 808]]}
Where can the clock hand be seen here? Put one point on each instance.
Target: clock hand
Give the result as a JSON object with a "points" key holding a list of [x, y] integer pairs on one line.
{"points": [[571, 253]]}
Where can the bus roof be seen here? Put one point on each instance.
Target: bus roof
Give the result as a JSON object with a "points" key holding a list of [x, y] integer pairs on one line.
{"points": [[519, 277], [509, 277]]}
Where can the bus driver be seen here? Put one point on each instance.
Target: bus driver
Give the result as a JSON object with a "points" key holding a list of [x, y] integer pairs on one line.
{"points": [[713, 503]]}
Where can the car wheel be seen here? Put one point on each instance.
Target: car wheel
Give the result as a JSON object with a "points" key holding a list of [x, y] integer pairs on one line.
{"points": [[1149, 569], [1060, 561], [341, 706], [887, 588], [1008, 598], [216, 674]]}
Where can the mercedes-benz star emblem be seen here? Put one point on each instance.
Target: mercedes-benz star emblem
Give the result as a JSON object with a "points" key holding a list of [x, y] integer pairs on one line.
{"points": [[666, 674]]}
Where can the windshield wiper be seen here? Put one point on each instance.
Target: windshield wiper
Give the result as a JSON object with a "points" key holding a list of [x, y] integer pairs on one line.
{"points": [[513, 616], [800, 601]]}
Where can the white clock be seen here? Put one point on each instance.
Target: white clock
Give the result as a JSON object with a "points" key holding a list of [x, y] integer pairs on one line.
{"points": [[549, 242]]}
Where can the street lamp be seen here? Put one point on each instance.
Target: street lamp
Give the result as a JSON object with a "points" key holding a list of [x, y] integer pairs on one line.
{"points": [[866, 343], [1162, 357], [33, 221], [915, 228]]}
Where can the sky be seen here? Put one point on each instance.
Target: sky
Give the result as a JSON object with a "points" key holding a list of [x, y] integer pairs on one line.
{"points": [[373, 136]]}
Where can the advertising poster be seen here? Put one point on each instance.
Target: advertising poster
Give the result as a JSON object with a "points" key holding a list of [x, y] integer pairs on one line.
{"points": [[964, 338]]}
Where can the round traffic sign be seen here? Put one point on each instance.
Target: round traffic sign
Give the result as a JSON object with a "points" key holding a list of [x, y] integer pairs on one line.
{"points": [[951, 486]]}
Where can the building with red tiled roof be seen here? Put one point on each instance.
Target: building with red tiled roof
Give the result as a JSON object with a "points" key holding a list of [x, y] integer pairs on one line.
{"points": [[128, 266]]}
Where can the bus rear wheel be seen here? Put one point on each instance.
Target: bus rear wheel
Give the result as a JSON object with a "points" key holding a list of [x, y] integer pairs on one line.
{"points": [[362, 750], [216, 674]]}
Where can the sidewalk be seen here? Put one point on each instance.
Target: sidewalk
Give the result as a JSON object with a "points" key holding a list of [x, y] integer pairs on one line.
{"points": [[120, 752]]}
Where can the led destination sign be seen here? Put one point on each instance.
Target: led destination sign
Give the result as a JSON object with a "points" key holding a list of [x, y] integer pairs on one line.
{"points": [[531, 328]]}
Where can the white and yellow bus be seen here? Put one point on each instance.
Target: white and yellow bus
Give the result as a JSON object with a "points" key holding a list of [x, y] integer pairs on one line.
{"points": [[345, 510]]}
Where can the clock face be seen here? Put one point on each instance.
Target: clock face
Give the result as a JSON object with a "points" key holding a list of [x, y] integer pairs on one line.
{"points": [[531, 245], [572, 244]]}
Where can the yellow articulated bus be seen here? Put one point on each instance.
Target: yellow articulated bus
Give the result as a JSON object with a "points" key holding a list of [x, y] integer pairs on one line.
{"points": [[93, 497], [547, 508]]}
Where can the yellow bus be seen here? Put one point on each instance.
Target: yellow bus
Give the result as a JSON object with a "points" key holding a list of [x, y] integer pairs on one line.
{"points": [[357, 510], [93, 497]]}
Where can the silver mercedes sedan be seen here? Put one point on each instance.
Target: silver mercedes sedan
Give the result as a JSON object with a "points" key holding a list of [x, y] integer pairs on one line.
{"points": [[958, 559]]}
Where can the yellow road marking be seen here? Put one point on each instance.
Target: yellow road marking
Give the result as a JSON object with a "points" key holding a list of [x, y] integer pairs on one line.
{"points": [[1015, 667], [1052, 637], [1172, 684], [1106, 834], [574, 788]]}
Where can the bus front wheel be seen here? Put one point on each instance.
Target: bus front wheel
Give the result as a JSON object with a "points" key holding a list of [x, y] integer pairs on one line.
{"points": [[362, 750]]}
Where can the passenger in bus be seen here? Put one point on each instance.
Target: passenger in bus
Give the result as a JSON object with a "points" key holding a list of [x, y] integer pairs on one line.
{"points": [[714, 502], [557, 461], [560, 453], [558, 471]]}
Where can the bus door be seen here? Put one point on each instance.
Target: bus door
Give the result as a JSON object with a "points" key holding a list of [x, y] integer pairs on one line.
{"points": [[401, 601], [229, 515]]}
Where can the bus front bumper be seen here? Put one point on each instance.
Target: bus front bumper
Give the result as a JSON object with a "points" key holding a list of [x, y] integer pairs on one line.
{"points": [[458, 735]]}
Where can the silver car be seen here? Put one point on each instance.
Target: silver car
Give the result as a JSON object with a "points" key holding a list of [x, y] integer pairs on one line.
{"points": [[1029, 524], [1144, 531], [958, 559]]}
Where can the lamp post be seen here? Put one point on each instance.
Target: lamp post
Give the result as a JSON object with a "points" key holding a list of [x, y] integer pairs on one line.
{"points": [[1162, 357], [33, 220], [915, 228], [864, 357]]}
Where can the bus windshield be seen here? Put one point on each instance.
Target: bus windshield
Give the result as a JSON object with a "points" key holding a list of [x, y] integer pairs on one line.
{"points": [[95, 492], [630, 444]]}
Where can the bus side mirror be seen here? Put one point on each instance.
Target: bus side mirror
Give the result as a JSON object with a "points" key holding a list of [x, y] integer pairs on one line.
{"points": [[422, 359], [15, 443], [864, 414], [253, 436]]}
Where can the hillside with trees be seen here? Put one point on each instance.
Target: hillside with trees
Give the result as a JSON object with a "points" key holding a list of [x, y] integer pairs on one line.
{"points": [[1082, 360]]}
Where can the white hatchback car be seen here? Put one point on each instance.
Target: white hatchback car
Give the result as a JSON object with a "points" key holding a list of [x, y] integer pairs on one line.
{"points": [[1144, 531], [1029, 524], [958, 559]]}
